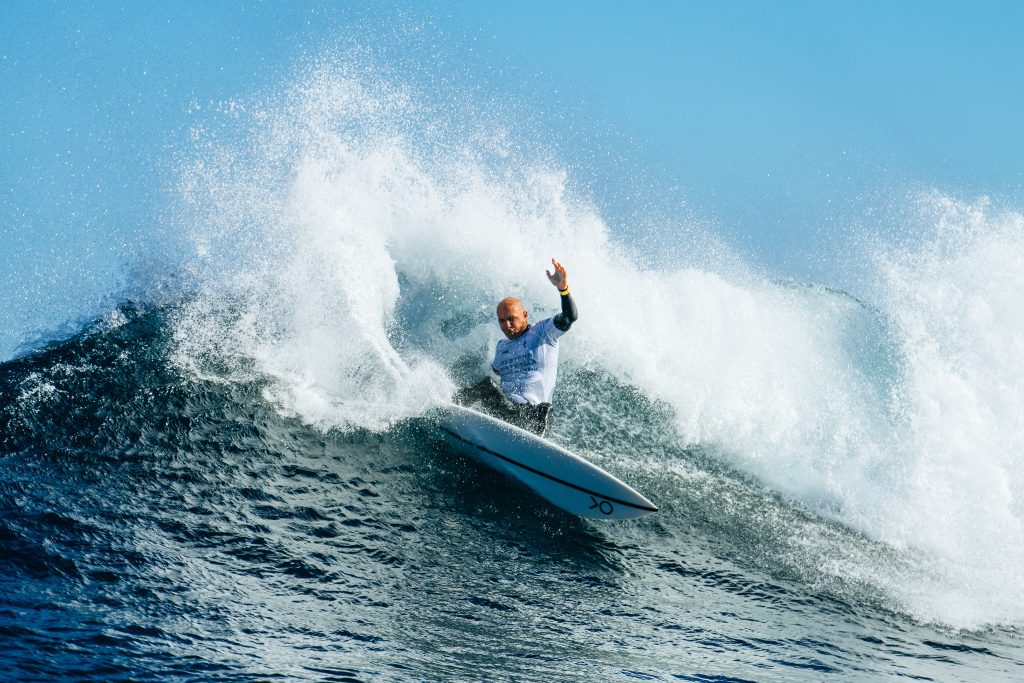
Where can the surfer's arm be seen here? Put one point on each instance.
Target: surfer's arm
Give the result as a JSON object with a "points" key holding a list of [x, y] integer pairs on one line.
{"points": [[560, 279], [568, 316]]}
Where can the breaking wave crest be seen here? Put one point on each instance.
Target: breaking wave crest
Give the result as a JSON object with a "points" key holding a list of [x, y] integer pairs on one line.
{"points": [[348, 243]]}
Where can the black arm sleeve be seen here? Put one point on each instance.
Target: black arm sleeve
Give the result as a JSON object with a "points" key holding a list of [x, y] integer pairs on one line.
{"points": [[568, 316]]}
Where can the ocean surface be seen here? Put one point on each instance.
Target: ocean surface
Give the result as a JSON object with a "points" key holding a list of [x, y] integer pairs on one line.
{"points": [[224, 473]]}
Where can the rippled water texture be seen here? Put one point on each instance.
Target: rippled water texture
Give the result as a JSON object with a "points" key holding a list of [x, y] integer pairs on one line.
{"points": [[153, 526]]}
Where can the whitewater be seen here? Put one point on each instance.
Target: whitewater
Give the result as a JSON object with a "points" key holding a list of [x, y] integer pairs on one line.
{"points": [[840, 478]]}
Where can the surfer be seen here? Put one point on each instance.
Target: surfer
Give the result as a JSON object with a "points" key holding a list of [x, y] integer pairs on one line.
{"points": [[526, 361]]}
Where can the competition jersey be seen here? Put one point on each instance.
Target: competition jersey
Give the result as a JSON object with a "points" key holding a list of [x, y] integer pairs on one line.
{"points": [[528, 364]]}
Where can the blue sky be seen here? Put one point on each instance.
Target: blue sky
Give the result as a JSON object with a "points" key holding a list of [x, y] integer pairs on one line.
{"points": [[786, 126], [780, 120]]}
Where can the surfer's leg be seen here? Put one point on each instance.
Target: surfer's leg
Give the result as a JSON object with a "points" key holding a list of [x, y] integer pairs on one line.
{"points": [[489, 398], [539, 418], [492, 401], [483, 391], [543, 418]]}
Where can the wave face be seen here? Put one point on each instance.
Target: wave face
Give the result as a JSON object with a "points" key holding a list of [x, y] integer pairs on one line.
{"points": [[348, 243]]}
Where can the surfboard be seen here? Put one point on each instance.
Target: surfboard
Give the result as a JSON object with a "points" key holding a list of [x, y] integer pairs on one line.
{"points": [[557, 475]]}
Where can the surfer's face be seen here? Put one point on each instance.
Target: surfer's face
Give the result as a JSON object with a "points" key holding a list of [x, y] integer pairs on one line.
{"points": [[512, 317]]}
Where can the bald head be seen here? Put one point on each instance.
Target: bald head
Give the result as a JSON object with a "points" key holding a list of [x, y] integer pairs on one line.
{"points": [[512, 317]]}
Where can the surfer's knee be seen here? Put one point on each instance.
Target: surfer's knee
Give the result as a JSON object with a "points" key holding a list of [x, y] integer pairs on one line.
{"points": [[539, 418]]}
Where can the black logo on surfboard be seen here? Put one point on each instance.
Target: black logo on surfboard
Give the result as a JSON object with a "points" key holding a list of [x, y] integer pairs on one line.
{"points": [[603, 505]]}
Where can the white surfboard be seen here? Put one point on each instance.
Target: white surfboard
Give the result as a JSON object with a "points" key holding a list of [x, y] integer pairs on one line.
{"points": [[561, 477]]}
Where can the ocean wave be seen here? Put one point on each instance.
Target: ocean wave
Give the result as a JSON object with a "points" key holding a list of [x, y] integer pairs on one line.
{"points": [[347, 246]]}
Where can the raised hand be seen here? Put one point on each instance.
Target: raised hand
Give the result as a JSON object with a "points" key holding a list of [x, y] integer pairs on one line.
{"points": [[559, 278]]}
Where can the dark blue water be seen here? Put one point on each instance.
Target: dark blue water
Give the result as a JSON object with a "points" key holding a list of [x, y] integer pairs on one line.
{"points": [[157, 527]]}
